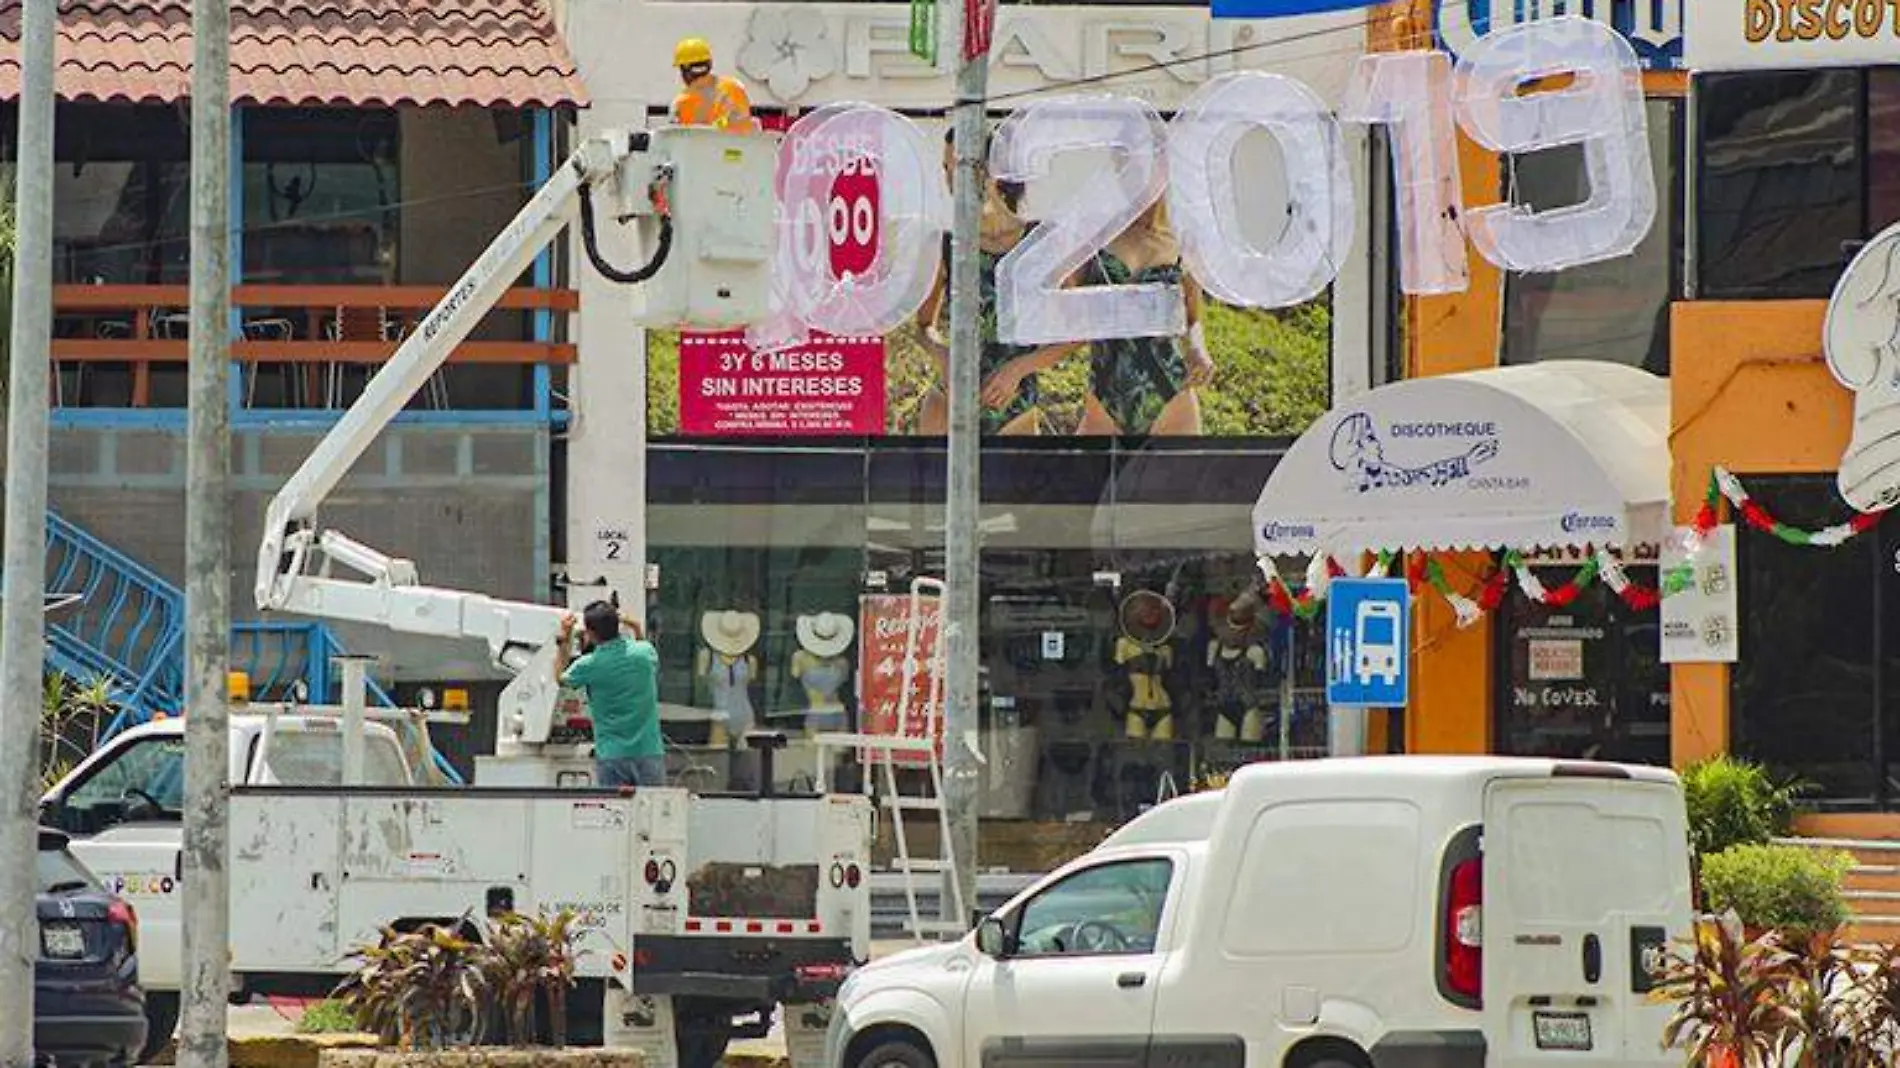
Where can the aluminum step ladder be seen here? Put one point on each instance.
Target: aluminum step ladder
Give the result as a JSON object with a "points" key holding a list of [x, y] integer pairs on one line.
{"points": [[881, 755]]}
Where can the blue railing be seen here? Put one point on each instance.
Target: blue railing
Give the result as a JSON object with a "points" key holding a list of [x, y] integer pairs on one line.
{"points": [[278, 656], [127, 627]]}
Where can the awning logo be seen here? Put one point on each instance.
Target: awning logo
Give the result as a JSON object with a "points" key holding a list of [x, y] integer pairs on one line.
{"points": [[1360, 454]]}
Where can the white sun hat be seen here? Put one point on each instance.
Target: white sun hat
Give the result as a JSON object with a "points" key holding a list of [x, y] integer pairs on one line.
{"points": [[731, 633], [826, 634]]}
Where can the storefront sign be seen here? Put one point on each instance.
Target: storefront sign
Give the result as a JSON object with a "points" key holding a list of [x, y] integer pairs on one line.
{"points": [[1700, 608], [1730, 35], [1653, 27], [885, 635], [807, 54], [827, 386], [1556, 659]]}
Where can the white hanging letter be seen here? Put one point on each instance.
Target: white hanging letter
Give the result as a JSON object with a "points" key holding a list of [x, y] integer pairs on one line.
{"points": [[1205, 199], [1410, 94], [1602, 110], [913, 207], [1032, 307]]}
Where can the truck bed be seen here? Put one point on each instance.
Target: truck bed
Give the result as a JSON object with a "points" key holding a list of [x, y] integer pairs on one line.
{"points": [[317, 872]]}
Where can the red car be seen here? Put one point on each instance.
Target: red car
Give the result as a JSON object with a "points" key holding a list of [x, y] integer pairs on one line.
{"points": [[88, 1008]]}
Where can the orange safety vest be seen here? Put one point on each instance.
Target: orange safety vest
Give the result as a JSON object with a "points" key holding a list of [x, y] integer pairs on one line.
{"points": [[722, 103]]}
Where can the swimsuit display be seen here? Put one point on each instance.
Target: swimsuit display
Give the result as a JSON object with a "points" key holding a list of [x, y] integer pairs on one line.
{"points": [[730, 678], [1150, 710], [995, 353], [822, 678], [1242, 690], [1134, 377]]}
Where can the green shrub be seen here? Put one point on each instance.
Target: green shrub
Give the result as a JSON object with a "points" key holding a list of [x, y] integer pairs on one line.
{"points": [[1733, 802], [327, 1018], [1778, 887]]}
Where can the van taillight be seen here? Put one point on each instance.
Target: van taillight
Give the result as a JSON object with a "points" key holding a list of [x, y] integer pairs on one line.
{"points": [[1464, 930]]}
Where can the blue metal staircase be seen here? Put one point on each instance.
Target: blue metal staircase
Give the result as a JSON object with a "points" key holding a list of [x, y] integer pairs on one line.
{"points": [[128, 628]]}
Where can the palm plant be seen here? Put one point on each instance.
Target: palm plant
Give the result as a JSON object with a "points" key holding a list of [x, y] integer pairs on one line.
{"points": [[71, 715], [529, 956], [1736, 998], [421, 989]]}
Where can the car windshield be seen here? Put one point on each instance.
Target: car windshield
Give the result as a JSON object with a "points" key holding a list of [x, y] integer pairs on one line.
{"points": [[60, 872]]}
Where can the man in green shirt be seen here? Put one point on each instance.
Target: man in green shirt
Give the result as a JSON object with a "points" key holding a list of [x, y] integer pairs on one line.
{"points": [[621, 677]]}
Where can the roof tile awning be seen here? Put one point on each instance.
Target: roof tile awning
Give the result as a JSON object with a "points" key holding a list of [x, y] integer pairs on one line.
{"points": [[1569, 453], [312, 53]]}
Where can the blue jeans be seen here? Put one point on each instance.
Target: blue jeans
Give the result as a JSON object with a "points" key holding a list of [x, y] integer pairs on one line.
{"points": [[630, 771]]}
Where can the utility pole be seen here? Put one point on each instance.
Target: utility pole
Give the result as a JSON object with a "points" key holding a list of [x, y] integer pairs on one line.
{"points": [[207, 887], [22, 616], [962, 763]]}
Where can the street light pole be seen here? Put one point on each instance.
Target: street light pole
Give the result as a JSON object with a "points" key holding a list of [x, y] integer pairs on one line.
{"points": [[962, 504], [207, 888], [22, 616]]}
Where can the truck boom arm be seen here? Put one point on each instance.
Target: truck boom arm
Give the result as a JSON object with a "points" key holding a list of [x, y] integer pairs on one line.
{"points": [[520, 636]]}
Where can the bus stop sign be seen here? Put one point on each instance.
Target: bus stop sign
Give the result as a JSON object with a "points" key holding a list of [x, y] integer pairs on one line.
{"points": [[1368, 642]]}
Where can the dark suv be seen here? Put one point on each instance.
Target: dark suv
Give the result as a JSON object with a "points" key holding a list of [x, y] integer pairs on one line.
{"points": [[87, 1005]]}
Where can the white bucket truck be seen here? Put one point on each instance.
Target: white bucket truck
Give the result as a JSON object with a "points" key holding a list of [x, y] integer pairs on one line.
{"points": [[703, 915]]}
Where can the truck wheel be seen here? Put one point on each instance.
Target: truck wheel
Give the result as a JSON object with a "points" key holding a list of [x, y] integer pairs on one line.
{"points": [[161, 1020], [702, 1039], [896, 1053]]}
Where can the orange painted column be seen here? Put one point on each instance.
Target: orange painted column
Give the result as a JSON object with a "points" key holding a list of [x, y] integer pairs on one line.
{"points": [[1751, 392]]}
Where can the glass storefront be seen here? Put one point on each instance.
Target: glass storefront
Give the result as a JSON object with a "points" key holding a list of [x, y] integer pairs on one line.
{"points": [[1811, 696], [1110, 672], [1583, 681]]}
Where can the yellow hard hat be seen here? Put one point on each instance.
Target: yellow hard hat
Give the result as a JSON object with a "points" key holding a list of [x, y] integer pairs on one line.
{"points": [[690, 51]]}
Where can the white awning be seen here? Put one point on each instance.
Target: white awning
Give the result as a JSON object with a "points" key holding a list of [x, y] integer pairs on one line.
{"points": [[1558, 454]]}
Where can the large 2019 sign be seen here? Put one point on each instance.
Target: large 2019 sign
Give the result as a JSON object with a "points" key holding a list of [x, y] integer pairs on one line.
{"points": [[1419, 97]]}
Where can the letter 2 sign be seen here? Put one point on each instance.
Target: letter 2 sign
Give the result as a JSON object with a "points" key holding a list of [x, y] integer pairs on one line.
{"points": [[1418, 96]]}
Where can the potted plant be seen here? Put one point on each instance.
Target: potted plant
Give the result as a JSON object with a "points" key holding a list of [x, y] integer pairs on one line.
{"points": [[1733, 997]]}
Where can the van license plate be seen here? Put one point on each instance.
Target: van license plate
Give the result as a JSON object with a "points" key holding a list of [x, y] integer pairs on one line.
{"points": [[63, 941], [1561, 1030]]}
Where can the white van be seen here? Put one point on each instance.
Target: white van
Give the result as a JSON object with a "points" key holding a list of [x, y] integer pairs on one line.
{"points": [[1386, 912]]}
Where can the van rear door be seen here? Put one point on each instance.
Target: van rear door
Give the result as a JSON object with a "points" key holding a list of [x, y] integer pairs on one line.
{"points": [[1586, 881]]}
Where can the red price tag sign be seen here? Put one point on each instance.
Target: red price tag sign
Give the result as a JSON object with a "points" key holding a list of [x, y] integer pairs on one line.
{"points": [[853, 222]]}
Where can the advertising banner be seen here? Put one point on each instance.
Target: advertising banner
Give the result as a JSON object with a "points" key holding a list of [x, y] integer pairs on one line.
{"points": [[1732, 35], [884, 634], [1700, 610], [826, 386]]}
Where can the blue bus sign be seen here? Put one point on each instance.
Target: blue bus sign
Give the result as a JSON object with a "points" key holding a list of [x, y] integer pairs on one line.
{"points": [[1368, 642]]}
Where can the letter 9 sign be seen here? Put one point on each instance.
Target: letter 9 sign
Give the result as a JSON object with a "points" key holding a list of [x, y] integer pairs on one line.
{"points": [[865, 199]]}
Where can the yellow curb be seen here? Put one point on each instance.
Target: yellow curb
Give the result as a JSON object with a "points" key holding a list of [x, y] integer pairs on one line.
{"points": [[290, 1051]]}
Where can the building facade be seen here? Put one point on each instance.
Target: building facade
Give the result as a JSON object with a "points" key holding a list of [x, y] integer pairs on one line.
{"points": [[360, 190], [777, 533]]}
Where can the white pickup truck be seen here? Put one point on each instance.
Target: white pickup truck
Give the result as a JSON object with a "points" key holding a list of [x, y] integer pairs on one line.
{"points": [[124, 807]]}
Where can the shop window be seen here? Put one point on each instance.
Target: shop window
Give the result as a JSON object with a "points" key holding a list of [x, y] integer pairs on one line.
{"points": [[1811, 696], [1583, 681], [321, 196], [1781, 181], [1087, 712], [1617, 310]]}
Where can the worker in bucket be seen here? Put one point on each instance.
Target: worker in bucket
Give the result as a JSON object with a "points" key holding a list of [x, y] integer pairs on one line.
{"points": [[621, 674], [709, 99]]}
